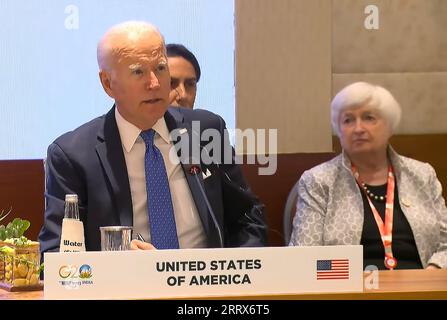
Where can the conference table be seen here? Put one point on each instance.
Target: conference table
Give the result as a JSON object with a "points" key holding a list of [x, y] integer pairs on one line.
{"points": [[397, 284]]}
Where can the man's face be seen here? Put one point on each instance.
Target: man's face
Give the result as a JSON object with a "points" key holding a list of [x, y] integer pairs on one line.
{"points": [[138, 79], [183, 82]]}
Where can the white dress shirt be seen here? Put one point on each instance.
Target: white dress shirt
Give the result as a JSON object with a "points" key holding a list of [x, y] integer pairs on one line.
{"points": [[190, 230]]}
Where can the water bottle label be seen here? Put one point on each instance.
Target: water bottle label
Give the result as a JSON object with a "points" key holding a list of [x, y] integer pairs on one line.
{"points": [[72, 238]]}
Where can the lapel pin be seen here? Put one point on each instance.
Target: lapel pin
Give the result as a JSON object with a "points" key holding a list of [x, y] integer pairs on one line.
{"points": [[206, 174], [406, 202]]}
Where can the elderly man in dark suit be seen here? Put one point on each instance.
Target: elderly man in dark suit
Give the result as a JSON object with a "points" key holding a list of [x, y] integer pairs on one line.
{"points": [[122, 167]]}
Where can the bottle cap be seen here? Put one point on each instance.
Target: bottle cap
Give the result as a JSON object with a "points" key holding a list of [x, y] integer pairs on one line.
{"points": [[72, 198]]}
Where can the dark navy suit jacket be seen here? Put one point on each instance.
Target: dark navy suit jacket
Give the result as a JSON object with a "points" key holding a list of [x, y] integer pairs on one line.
{"points": [[89, 162]]}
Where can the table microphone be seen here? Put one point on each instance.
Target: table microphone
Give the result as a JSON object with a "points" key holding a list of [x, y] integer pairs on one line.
{"points": [[140, 237], [194, 171]]}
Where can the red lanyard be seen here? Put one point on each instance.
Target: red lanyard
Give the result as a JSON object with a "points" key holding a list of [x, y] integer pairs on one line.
{"points": [[385, 229]]}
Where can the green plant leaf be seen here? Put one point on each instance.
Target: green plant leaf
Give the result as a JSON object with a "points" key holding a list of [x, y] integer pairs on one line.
{"points": [[10, 230], [15, 229], [23, 225], [41, 268], [8, 233], [2, 233]]}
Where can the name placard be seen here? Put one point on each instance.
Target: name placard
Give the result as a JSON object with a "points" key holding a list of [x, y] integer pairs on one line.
{"points": [[203, 272]]}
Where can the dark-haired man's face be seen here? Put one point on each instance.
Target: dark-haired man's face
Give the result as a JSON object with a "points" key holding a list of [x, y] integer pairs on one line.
{"points": [[183, 82]]}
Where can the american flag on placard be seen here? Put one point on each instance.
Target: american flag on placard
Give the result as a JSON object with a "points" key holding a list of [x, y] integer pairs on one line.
{"points": [[332, 269]]}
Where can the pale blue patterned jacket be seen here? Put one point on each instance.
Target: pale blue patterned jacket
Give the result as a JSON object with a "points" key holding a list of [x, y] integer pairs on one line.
{"points": [[330, 206]]}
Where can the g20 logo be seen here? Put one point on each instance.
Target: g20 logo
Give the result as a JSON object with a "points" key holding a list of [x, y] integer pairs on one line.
{"points": [[67, 271], [71, 271]]}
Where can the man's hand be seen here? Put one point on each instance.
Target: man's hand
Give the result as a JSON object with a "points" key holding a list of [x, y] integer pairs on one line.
{"points": [[140, 245]]}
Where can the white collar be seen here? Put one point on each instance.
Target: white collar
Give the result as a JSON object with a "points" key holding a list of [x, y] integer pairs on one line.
{"points": [[129, 132]]}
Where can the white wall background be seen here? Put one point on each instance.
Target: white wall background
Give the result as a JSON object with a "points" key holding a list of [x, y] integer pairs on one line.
{"points": [[48, 72]]}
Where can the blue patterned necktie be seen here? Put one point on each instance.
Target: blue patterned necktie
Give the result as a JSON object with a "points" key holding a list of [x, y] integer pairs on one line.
{"points": [[159, 203]]}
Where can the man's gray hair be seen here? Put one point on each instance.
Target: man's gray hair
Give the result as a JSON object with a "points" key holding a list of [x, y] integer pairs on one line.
{"points": [[131, 29], [359, 94]]}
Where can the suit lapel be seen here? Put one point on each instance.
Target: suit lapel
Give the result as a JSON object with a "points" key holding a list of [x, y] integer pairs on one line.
{"points": [[175, 120], [349, 209], [111, 156]]}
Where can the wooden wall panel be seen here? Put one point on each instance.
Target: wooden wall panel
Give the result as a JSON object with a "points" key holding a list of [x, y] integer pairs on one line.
{"points": [[22, 188], [273, 190], [283, 71], [411, 36]]}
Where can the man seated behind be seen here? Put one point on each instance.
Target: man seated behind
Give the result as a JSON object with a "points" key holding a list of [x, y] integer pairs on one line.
{"points": [[185, 74]]}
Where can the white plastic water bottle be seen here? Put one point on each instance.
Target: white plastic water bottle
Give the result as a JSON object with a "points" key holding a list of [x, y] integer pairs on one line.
{"points": [[72, 236]]}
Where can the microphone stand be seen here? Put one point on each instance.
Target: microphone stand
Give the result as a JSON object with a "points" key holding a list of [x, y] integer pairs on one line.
{"points": [[194, 171]]}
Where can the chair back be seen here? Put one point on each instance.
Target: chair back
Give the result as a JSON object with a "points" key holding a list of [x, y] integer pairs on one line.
{"points": [[289, 213]]}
